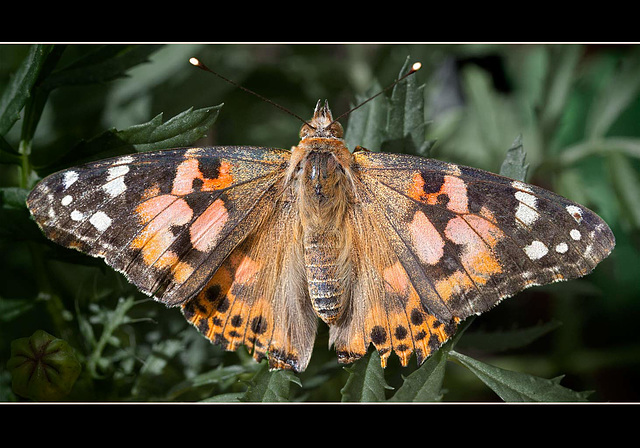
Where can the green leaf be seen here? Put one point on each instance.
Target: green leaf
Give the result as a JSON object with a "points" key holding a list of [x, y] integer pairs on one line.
{"points": [[560, 78], [519, 387], [514, 165], [615, 97], [13, 308], [628, 146], [182, 130], [267, 386], [424, 384], [230, 397], [157, 373], [221, 374], [18, 91], [391, 125], [627, 184], [366, 126], [13, 197], [484, 104], [406, 126], [366, 380], [105, 63]]}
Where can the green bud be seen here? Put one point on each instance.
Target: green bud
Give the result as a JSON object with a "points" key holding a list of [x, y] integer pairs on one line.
{"points": [[43, 367]]}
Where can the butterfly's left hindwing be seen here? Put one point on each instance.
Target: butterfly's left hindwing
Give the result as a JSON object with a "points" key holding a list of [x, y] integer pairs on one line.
{"points": [[165, 219]]}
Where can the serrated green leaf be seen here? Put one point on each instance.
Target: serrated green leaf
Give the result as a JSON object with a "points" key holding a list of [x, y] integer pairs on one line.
{"points": [[267, 386], [514, 165], [18, 91], [391, 125], [182, 130], [366, 380], [366, 126], [425, 383], [405, 130], [519, 387]]}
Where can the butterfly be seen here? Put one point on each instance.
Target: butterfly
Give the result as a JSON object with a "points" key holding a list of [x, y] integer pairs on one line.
{"points": [[258, 245]]}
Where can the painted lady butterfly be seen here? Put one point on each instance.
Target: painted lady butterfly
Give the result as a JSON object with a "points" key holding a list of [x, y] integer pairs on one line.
{"points": [[254, 244]]}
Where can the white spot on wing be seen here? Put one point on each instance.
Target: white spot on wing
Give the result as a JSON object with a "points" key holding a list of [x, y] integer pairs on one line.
{"points": [[100, 221], [536, 250], [66, 200], [115, 181], [562, 248], [521, 186], [575, 212], [77, 215], [115, 187], [575, 234], [69, 178], [526, 208], [117, 171]]}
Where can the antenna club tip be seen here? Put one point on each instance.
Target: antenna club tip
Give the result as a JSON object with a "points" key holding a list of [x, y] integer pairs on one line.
{"points": [[194, 61], [416, 66]]}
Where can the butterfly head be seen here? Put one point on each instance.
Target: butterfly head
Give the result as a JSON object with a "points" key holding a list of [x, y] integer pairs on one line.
{"points": [[322, 124]]}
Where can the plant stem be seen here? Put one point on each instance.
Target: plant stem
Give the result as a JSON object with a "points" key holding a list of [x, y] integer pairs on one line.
{"points": [[25, 151]]}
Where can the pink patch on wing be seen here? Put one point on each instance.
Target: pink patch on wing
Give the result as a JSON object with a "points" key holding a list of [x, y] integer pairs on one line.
{"points": [[427, 242], [205, 230]]}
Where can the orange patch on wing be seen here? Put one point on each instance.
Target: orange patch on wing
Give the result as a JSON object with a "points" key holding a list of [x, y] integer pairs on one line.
{"points": [[189, 170], [453, 187], [151, 192], [427, 242], [205, 230], [416, 189], [453, 285], [478, 238], [182, 271]]}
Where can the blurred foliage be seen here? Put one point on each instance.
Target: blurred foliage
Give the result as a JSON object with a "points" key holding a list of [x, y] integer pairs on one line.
{"points": [[572, 110]]}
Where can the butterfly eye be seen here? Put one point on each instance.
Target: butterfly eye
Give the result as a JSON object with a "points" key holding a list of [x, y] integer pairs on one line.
{"points": [[306, 130], [336, 130]]}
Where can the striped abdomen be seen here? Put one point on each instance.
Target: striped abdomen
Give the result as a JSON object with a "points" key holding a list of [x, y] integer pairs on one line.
{"points": [[324, 278]]}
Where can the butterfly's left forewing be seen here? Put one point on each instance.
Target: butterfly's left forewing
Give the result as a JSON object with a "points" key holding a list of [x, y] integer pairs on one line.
{"points": [[453, 241], [166, 219]]}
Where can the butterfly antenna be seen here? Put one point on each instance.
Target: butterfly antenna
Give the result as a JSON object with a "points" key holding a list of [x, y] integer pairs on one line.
{"points": [[414, 68], [197, 63]]}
